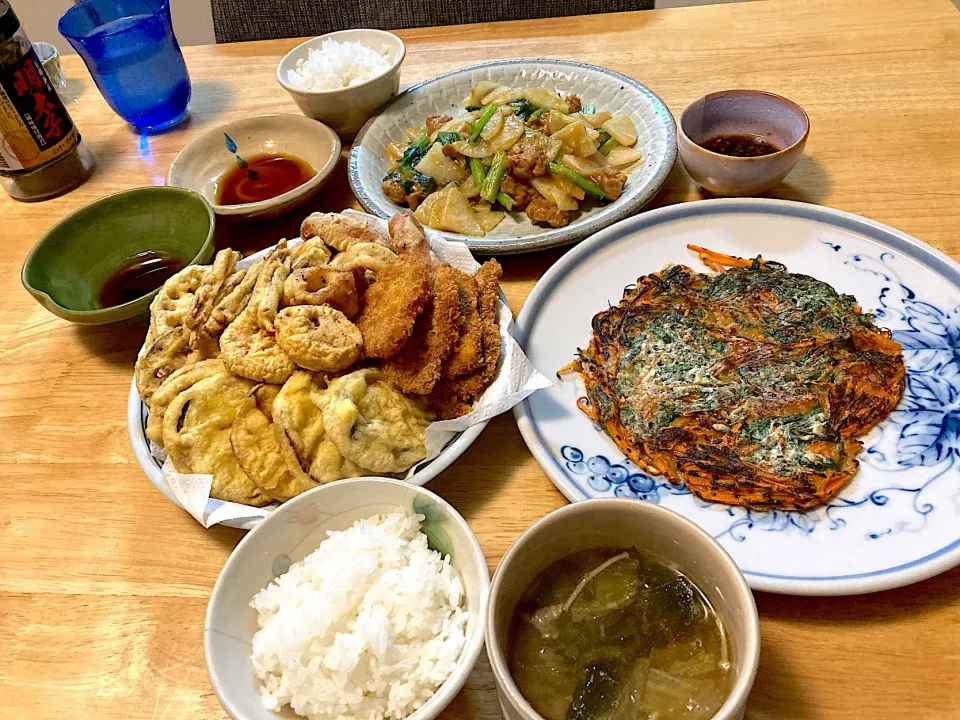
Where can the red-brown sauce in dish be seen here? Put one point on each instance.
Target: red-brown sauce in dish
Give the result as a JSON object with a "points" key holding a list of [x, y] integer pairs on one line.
{"points": [[740, 145], [139, 275], [266, 176]]}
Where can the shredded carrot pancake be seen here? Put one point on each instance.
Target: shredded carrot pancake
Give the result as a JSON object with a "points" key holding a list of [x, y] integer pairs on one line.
{"points": [[751, 386]]}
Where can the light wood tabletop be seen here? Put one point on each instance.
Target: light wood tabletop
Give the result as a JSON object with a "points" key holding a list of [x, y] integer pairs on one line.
{"points": [[104, 583]]}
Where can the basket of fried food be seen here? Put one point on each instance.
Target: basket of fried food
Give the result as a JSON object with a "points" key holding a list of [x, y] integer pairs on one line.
{"points": [[324, 358]]}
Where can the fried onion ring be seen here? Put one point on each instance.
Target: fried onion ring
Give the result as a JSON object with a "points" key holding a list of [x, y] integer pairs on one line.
{"points": [[323, 285]]}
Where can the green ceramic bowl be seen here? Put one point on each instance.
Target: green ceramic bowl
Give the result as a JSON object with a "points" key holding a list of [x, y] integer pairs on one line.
{"points": [[67, 267]]}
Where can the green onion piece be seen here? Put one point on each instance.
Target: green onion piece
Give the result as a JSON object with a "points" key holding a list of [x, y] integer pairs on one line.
{"points": [[589, 110], [478, 171], [604, 136], [589, 185], [505, 200], [607, 146], [491, 183], [536, 113], [445, 138], [484, 118]]}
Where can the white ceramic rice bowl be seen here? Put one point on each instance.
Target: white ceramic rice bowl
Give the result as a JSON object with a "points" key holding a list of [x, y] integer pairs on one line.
{"points": [[294, 531], [606, 89]]}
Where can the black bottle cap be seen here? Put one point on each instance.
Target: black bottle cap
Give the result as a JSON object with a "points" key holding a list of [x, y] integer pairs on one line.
{"points": [[9, 23]]}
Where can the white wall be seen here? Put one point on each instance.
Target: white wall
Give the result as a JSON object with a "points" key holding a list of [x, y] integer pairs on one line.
{"points": [[192, 21]]}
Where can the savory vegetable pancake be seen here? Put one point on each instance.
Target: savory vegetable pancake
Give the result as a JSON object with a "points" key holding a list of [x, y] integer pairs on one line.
{"points": [[750, 386]]}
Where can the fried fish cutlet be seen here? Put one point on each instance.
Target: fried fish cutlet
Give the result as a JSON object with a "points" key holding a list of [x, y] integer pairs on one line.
{"points": [[750, 386], [339, 231], [467, 354], [392, 305], [452, 397], [416, 368], [408, 238]]}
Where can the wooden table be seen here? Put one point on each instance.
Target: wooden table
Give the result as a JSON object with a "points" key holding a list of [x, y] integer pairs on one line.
{"points": [[104, 583]]}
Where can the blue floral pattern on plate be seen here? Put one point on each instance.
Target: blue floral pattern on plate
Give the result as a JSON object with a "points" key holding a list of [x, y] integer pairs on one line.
{"points": [[922, 433]]}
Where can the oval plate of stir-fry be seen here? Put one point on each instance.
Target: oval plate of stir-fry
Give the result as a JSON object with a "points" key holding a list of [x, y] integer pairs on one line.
{"points": [[516, 155]]}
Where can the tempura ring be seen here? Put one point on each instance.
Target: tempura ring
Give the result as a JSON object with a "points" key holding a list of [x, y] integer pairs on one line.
{"points": [[311, 253], [369, 256], [251, 352], [318, 337], [323, 285]]}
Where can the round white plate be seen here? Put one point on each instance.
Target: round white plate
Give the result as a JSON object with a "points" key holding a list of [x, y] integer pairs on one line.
{"points": [[137, 414], [606, 89], [896, 522]]}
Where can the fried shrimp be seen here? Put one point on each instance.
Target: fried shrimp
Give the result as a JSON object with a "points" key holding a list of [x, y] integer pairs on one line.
{"points": [[392, 305], [311, 252], [369, 256], [416, 368], [318, 337], [408, 238], [323, 285], [374, 424], [467, 354], [339, 231], [268, 291], [250, 351], [205, 298], [232, 302], [174, 301]]}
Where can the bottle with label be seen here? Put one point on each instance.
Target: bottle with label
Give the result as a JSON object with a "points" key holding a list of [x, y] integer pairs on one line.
{"points": [[41, 154]]}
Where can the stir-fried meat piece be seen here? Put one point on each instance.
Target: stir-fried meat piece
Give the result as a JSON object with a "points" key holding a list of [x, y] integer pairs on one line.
{"points": [[451, 152], [394, 191], [521, 193], [527, 159], [573, 103], [542, 210], [611, 180], [435, 122]]}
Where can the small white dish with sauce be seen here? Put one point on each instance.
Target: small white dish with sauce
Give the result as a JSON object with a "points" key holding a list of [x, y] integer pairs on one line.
{"points": [[202, 165]]}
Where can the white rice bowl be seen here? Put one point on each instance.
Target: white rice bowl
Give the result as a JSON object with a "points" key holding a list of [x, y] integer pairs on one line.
{"points": [[367, 626], [337, 65]]}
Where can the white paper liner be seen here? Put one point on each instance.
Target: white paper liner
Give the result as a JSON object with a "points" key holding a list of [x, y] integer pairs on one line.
{"points": [[516, 379]]}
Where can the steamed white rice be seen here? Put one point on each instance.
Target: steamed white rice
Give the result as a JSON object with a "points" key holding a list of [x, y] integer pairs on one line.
{"points": [[367, 626], [337, 65]]}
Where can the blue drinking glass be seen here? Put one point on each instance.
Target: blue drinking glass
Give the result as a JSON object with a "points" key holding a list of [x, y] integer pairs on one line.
{"points": [[131, 52]]}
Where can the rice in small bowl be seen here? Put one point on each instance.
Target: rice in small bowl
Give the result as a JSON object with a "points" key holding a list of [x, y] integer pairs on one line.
{"points": [[382, 618], [342, 78]]}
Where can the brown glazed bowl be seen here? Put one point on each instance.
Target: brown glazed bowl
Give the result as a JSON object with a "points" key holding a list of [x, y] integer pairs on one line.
{"points": [[773, 118], [612, 522]]}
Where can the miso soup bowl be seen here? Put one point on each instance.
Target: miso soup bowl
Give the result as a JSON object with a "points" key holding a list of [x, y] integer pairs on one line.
{"points": [[624, 523]]}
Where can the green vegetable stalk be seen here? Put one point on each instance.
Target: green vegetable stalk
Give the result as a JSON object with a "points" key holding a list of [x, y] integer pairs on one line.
{"points": [[478, 171], [505, 200], [589, 110], [608, 145], [484, 118], [588, 185], [491, 183], [535, 114]]}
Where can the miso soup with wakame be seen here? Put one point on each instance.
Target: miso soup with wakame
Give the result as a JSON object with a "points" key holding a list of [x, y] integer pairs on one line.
{"points": [[618, 634]]}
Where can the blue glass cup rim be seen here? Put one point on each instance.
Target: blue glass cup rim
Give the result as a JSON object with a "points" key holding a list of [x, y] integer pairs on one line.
{"points": [[163, 6]]}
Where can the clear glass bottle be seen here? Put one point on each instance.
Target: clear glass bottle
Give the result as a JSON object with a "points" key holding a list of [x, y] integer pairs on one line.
{"points": [[41, 153]]}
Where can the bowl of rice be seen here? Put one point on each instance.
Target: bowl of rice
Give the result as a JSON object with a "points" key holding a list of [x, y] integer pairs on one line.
{"points": [[361, 599], [342, 78]]}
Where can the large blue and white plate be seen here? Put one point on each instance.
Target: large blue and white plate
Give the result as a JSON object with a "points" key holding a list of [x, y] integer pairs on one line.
{"points": [[898, 520]]}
